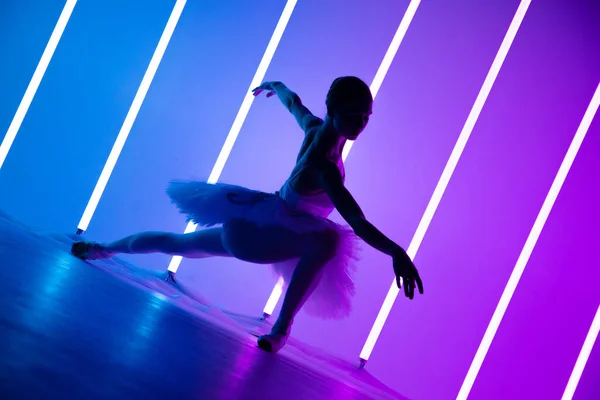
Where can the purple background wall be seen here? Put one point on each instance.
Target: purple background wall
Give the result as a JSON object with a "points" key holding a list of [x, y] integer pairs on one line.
{"points": [[483, 220]]}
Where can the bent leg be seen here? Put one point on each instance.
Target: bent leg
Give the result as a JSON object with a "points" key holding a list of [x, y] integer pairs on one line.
{"points": [[303, 283], [314, 250]]}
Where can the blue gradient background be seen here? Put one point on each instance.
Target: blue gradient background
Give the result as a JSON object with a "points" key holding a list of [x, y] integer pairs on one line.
{"points": [[482, 222]]}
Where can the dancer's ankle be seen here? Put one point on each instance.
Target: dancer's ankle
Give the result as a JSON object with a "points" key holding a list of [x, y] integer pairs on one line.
{"points": [[282, 326]]}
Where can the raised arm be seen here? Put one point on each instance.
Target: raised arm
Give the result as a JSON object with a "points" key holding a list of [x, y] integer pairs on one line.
{"points": [[332, 182], [292, 102]]}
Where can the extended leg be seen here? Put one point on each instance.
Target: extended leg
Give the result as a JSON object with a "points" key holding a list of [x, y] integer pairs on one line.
{"points": [[198, 244]]}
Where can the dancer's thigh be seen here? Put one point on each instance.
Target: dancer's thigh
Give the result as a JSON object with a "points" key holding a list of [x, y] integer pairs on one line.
{"points": [[270, 244]]}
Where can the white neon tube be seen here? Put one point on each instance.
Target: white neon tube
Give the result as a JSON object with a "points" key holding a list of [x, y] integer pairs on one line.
{"points": [[234, 131], [530, 243], [447, 173], [584, 354], [36, 79], [165, 38], [382, 71], [274, 297], [389, 56]]}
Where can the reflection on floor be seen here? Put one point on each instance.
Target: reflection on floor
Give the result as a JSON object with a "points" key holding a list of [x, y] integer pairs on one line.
{"points": [[109, 330]]}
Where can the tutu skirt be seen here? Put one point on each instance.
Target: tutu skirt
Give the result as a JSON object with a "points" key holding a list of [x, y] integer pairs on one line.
{"points": [[215, 204]]}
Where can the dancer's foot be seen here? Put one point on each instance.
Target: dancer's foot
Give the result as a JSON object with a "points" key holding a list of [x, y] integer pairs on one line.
{"points": [[89, 251], [169, 277], [274, 341], [165, 276]]}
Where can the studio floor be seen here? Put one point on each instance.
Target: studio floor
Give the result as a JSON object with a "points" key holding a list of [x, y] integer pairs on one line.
{"points": [[72, 329]]}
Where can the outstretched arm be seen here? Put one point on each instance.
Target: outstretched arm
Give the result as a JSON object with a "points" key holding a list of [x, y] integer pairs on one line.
{"points": [[292, 102], [332, 183]]}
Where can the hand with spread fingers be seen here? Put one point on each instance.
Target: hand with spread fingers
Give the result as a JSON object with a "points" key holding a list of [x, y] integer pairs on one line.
{"points": [[265, 87], [405, 269]]}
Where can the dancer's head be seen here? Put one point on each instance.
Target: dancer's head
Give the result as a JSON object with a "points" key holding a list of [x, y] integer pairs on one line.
{"points": [[349, 102]]}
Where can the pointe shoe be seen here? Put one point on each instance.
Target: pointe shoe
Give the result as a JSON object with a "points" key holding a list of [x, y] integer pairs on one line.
{"points": [[273, 342], [276, 339], [89, 251]]}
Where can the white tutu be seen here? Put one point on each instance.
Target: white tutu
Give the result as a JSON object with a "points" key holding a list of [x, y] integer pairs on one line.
{"points": [[215, 204]]}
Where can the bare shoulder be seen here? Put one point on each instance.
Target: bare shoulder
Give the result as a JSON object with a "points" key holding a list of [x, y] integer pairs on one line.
{"points": [[305, 118]]}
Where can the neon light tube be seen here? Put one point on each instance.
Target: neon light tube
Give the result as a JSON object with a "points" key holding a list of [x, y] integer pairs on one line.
{"points": [[584, 354], [530, 243], [36, 79], [382, 71], [447, 173], [90, 209], [234, 131]]}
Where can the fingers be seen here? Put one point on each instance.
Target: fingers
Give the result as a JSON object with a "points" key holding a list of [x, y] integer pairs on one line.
{"points": [[411, 288], [409, 285], [409, 278], [419, 283], [257, 91]]}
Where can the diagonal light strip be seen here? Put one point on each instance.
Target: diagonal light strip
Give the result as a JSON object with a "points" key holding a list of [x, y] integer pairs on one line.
{"points": [[582, 359], [165, 38], [36, 79], [447, 173], [234, 131], [389, 57], [530, 243], [375, 86]]}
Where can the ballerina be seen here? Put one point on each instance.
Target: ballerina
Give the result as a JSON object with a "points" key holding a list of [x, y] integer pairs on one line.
{"points": [[288, 229]]}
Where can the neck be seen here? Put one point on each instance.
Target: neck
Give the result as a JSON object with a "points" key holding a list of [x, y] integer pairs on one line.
{"points": [[333, 142]]}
